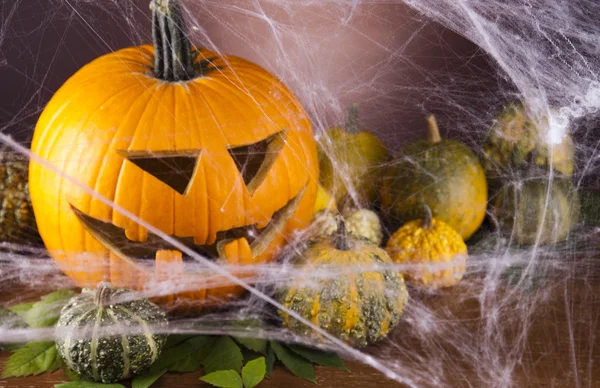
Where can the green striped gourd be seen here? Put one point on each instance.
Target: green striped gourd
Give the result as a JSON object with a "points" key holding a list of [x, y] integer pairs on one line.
{"points": [[517, 142], [537, 210], [443, 174], [104, 339], [358, 307]]}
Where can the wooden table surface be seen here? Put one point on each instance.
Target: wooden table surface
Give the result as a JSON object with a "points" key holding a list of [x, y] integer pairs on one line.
{"points": [[561, 348]]}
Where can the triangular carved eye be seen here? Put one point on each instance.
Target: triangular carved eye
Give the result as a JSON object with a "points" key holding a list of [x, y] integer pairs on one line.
{"points": [[176, 169], [255, 160]]}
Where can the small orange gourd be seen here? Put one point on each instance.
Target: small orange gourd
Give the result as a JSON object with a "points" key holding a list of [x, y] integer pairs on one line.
{"points": [[429, 242]]}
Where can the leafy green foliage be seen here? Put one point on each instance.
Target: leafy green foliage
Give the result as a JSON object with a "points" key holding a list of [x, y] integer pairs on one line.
{"points": [[184, 354], [293, 362], [222, 357], [32, 359], [225, 355], [71, 375], [254, 372], [224, 379], [45, 312], [270, 360], [146, 380], [87, 384], [21, 309], [255, 344], [319, 357]]}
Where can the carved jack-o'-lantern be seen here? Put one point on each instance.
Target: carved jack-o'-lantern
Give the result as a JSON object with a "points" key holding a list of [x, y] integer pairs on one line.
{"points": [[211, 150]]}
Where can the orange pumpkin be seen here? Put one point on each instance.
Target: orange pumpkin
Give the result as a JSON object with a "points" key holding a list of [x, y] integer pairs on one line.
{"points": [[212, 150]]}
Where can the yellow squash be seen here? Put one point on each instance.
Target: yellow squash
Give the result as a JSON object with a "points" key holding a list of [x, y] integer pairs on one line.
{"points": [[438, 251], [351, 160]]}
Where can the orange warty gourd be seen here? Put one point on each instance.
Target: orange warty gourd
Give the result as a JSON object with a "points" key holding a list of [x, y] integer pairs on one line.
{"points": [[212, 150]]}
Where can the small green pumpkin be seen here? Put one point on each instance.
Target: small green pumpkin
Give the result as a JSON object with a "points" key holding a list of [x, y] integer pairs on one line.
{"points": [[357, 307], [536, 210], [351, 160], [515, 143], [17, 223], [442, 174], [105, 336]]}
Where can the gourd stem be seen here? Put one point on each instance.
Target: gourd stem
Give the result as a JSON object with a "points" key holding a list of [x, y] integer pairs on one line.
{"points": [[434, 131], [352, 123], [427, 221], [173, 56], [341, 237], [103, 294]]}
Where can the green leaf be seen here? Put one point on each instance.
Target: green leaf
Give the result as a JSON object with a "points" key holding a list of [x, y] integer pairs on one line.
{"points": [[225, 355], [32, 359], [21, 309], [186, 356], [319, 357], [175, 339], [87, 384], [270, 361], [223, 378], [146, 380], [254, 372], [294, 363], [249, 355], [45, 312], [255, 344], [10, 320], [71, 375]]}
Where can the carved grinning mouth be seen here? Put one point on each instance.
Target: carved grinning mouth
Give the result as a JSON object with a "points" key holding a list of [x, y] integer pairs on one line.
{"points": [[113, 237]]}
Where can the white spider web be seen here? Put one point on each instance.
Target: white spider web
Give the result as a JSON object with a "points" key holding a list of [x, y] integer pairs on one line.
{"points": [[399, 61]]}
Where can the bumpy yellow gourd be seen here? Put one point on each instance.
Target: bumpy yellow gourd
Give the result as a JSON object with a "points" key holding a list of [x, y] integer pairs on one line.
{"points": [[433, 242], [360, 305]]}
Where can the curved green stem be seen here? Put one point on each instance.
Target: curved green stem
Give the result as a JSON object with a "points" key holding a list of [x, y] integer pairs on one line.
{"points": [[352, 123], [427, 221], [342, 242], [173, 55], [103, 294], [434, 131]]}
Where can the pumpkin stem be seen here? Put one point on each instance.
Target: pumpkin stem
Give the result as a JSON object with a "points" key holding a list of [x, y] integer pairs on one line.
{"points": [[434, 131], [103, 294], [342, 243], [427, 221], [352, 122], [173, 54]]}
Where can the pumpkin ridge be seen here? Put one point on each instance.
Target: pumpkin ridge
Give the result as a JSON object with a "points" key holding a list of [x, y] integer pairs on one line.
{"points": [[125, 345], [67, 160], [351, 313], [183, 223], [147, 332], [120, 219], [67, 342], [201, 210], [94, 344], [102, 166], [213, 225]]}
